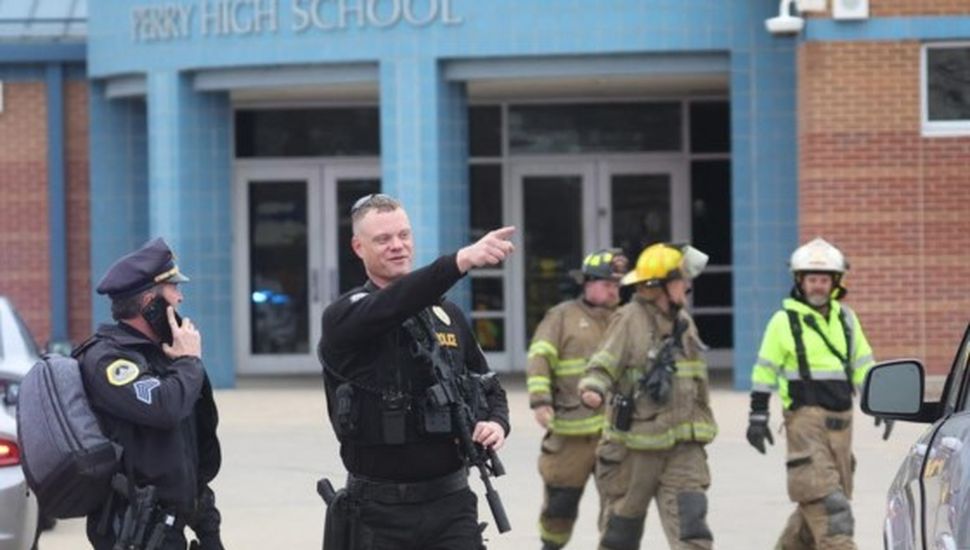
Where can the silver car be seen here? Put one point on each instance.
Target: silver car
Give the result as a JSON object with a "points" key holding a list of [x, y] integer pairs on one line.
{"points": [[19, 516], [929, 501]]}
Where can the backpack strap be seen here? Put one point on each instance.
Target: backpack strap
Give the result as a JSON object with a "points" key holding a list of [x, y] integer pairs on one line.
{"points": [[846, 359], [804, 372]]}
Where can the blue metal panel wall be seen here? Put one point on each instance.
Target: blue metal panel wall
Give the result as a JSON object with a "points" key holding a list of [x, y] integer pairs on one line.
{"points": [[425, 156], [119, 185], [189, 168], [57, 201], [764, 179]]}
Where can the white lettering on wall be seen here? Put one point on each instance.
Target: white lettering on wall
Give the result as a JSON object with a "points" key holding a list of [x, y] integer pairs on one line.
{"points": [[163, 22], [378, 17], [172, 20]]}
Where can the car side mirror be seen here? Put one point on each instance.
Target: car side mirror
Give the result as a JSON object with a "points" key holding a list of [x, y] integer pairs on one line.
{"points": [[894, 389]]}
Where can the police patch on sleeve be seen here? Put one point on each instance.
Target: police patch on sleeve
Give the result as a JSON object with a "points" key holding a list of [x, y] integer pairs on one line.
{"points": [[144, 389], [121, 372], [440, 313]]}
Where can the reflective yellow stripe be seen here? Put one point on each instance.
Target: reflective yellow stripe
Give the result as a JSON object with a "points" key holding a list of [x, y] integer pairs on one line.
{"points": [[570, 367], [688, 431], [544, 349], [582, 426], [538, 384], [559, 539], [692, 369], [605, 360]]}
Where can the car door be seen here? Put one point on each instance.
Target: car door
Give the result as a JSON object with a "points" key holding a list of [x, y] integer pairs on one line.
{"points": [[946, 470]]}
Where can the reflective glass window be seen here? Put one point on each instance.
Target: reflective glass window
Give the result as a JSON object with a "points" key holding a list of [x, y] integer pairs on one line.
{"points": [[710, 127], [595, 127], [948, 83], [710, 185], [308, 132], [485, 131]]}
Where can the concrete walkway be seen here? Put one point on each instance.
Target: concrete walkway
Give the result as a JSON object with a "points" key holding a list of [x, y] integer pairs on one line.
{"points": [[277, 443]]}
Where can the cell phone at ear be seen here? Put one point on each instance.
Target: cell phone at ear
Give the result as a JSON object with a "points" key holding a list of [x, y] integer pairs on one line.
{"points": [[154, 313]]}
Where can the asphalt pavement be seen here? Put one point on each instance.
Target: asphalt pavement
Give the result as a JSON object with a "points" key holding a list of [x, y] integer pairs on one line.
{"points": [[277, 442]]}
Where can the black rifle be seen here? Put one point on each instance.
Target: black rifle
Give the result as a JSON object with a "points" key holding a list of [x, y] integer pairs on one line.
{"points": [[658, 381], [447, 392]]}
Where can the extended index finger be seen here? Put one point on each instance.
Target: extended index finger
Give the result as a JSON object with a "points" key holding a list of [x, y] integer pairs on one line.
{"points": [[504, 233]]}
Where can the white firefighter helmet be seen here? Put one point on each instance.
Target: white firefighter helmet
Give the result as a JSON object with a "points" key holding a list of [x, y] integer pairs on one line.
{"points": [[818, 255]]}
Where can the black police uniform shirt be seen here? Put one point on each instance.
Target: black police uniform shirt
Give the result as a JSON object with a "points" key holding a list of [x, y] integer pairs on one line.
{"points": [[160, 410], [363, 340]]}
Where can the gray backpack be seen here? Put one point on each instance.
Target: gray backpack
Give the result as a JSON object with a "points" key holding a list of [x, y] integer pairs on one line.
{"points": [[67, 459]]}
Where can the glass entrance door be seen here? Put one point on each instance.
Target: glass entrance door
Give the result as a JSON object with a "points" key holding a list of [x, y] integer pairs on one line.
{"points": [[566, 209], [292, 239]]}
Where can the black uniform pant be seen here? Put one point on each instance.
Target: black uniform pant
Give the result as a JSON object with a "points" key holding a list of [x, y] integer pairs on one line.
{"points": [[446, 523]]}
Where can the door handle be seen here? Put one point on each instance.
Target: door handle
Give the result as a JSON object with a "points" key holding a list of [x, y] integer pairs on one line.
{"points": [[314, 285]]}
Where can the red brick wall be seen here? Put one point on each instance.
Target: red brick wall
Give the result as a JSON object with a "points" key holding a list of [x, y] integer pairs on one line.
{"points": [[24, 228], [909, 8], [890, 8], [24, 260], [895, 202], [78, 211]]}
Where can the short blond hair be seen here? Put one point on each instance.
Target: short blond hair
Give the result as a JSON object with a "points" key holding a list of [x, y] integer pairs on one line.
{"points": [[375, 201]]}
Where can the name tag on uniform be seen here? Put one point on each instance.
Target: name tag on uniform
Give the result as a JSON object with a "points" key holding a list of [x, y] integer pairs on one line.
{"points": [[447, 339]]}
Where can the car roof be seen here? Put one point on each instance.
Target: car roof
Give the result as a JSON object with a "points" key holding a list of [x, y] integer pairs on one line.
{"points": [[18, 351]]}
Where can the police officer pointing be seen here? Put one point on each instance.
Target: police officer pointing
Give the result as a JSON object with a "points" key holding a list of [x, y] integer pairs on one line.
{"points": [[146, 383], [407, 486]]}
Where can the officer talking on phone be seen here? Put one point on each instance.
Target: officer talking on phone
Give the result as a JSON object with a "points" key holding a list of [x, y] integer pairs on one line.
{"points": [[146, 382]]}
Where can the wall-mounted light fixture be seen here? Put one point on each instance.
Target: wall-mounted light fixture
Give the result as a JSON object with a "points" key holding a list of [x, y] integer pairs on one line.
{"points": [[785, 22]]}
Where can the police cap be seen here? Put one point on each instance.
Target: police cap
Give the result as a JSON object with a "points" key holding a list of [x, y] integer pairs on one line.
{"points": [[152, 264]]}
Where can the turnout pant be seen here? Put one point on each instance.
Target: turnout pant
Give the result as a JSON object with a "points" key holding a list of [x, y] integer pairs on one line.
{"points": [[819, 464], [677, 479], [566, 462]]}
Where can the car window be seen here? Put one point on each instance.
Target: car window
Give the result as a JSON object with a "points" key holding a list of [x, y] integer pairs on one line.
{"points": [[955, 392]]}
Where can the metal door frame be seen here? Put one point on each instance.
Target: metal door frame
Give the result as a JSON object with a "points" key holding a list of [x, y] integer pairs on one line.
{"points": [[595, 171], [321, 176]]}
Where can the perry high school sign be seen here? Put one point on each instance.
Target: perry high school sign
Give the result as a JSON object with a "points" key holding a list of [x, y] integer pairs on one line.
{"points": [[214, 18]]}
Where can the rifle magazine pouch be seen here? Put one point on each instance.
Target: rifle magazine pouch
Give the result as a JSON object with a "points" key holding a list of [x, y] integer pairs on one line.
{"points": [[393, 419], [348, 410], [436, 420]]}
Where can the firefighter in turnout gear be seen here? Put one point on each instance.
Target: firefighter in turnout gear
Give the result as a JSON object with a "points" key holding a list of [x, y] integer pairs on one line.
{"points": [[814, 354], [563, 342], [650, 373]]}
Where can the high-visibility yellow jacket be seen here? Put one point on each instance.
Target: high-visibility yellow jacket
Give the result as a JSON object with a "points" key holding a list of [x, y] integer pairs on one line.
{"points": [[629, 349], [568, 334], [828, 383]]}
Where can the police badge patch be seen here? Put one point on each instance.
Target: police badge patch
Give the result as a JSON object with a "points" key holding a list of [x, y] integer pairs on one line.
{"points": [[121, 372], [440, 313]]}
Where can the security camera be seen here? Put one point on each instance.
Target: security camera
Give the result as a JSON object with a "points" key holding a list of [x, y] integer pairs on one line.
{"points": [[785, 23]]}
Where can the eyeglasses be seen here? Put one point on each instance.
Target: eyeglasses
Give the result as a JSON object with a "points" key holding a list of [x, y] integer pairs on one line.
{"points": [[366, 200]]}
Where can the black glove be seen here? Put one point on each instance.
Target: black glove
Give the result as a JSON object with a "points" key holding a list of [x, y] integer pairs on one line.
{"points": [[659, 383], [758, 430], [888, 424]]}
